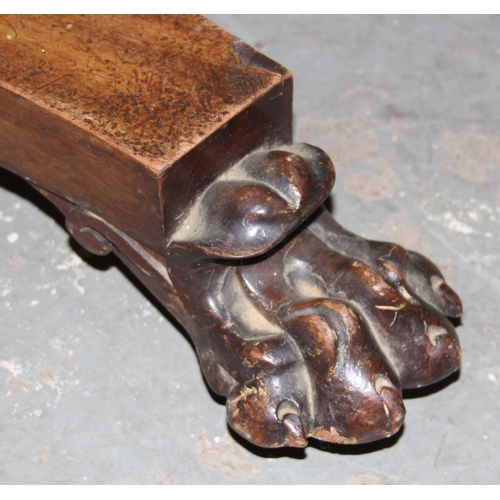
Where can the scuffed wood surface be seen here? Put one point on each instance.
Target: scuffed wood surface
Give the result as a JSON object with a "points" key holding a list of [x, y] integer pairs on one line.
{"points": [[154, 85]]}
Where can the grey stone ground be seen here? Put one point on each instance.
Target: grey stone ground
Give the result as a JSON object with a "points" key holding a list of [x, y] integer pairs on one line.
{"points": [[97, 385]]}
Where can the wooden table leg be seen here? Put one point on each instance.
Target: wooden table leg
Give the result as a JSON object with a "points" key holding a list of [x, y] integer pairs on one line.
{"points": [[167, 141]]}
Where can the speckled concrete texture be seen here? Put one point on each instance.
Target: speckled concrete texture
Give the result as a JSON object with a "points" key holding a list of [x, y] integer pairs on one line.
{"points": [[98, 384]]}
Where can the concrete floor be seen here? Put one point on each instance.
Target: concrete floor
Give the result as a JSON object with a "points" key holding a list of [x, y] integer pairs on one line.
{"points": [[98, 385]]}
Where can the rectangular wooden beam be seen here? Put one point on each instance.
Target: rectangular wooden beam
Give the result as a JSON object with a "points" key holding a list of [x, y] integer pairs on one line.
{"points": [[122, 115]]}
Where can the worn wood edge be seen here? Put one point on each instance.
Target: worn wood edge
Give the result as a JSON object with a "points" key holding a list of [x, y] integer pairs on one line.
{"points": [[156, 167]]}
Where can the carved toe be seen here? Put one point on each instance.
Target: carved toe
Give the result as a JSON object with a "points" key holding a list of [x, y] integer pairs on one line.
{"points": [[257, 202]]}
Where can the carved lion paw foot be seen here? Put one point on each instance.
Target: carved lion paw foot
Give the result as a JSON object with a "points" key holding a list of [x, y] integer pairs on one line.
{"points": [[308, 330], [312, 334]]}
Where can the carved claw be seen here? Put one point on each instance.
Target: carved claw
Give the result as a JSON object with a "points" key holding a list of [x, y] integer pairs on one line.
{"points": [[295, 434]]}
